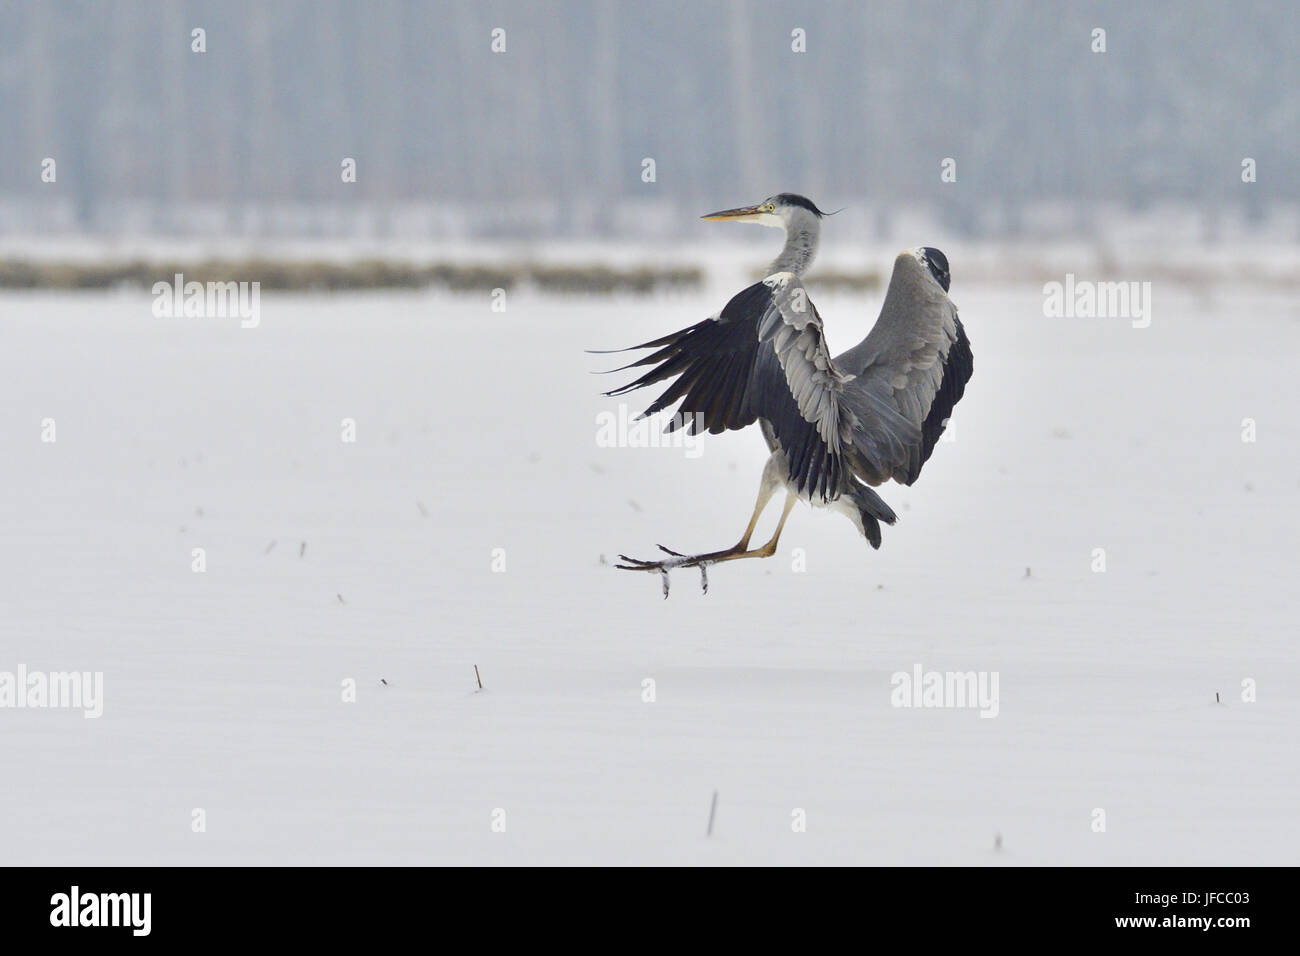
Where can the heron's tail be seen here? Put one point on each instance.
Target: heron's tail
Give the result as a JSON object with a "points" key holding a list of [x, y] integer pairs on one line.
{"points": [[871, 511]]}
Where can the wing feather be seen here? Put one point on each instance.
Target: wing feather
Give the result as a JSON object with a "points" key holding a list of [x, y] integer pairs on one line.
{"points": [[763, 356], [871, 414], [910, 371]]}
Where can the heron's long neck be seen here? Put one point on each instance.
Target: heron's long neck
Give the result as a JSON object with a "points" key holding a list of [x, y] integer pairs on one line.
{"points": [[801, 237]]}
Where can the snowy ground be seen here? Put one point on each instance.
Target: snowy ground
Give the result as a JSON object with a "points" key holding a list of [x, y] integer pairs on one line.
{"points": [[223, 689]]}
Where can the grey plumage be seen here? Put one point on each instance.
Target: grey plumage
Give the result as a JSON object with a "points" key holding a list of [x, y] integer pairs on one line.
{"points": [[763, 357], [835, 426], [909, 373]]}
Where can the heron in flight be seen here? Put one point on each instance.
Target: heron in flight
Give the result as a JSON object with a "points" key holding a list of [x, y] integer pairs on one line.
{"points": [[836, 427]]}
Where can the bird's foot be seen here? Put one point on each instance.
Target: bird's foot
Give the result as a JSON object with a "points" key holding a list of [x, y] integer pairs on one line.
{"points": [[674, 560]]}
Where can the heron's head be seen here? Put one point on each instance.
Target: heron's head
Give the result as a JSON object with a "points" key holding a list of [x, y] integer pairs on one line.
{"points": [[779, 212], [935, 262]]}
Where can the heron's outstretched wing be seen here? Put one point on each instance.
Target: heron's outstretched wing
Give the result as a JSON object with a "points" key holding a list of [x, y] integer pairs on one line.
{"points": [[763, 356], [910, 371]]}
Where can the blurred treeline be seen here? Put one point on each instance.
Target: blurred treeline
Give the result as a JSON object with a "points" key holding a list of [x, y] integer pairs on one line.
{"points": [[555, 129]]}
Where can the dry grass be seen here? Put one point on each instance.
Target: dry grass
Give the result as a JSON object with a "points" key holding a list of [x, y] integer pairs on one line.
{"points": [[318, 276]]}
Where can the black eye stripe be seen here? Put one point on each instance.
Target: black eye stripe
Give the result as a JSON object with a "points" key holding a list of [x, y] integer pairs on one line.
{"points": [[937, 263], [793, 199]]}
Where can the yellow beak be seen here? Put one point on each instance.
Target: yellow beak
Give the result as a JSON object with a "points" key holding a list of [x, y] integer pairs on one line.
{"points": [[743, 214]]}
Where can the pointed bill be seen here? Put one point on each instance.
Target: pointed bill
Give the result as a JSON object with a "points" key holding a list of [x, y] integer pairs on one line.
{"points": [[743, 214]]}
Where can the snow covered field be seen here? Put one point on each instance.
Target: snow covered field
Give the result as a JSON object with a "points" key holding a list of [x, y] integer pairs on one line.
{"points": [[476, 431]]}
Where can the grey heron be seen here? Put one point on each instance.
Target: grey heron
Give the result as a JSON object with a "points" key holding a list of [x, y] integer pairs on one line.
{"points": [[836, 427]]}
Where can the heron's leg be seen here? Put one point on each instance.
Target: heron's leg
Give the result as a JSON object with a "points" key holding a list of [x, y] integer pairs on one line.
{"points": [[741, 550], [772, 479], [765, 489], [769, 549]]}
